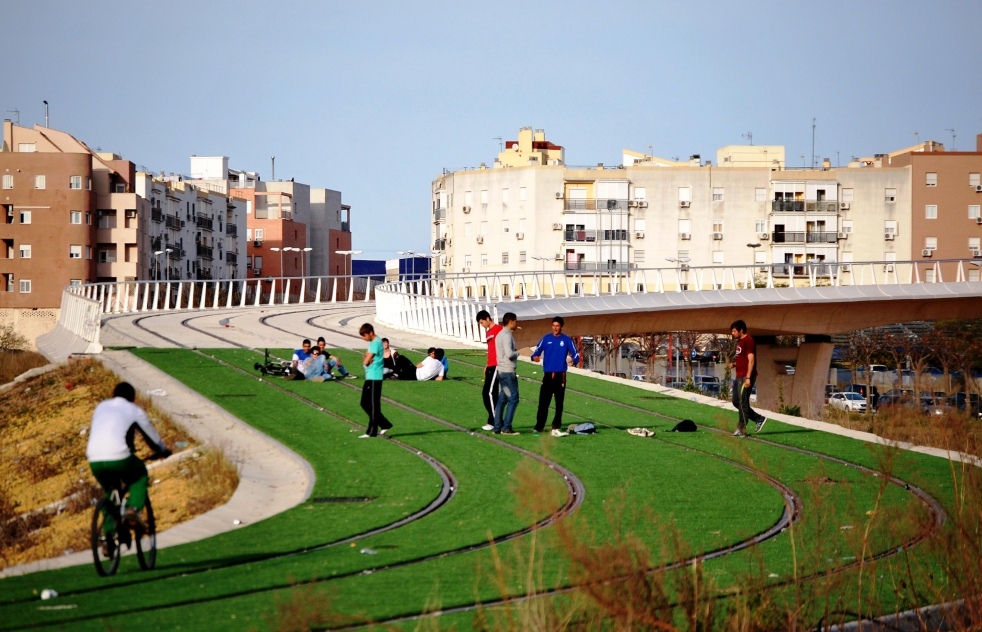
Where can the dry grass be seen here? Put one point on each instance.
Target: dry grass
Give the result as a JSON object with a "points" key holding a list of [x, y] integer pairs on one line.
{"points": [[953, 430], [47, 487], [15, 362]]}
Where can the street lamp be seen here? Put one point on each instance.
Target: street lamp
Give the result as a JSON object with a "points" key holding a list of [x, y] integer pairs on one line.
{"points": [[543, 260], [754, 247], [303, 258], [157, 255], [412, 255], [346, 253]]}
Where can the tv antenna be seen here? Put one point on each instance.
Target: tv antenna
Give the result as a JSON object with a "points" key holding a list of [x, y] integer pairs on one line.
{"points": [[501, 144], [17, 113], [952, 137], [750, 137], [917, 135]]}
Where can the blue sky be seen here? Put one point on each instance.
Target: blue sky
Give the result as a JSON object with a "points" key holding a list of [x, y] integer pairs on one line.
{"points": [[376, 98]]}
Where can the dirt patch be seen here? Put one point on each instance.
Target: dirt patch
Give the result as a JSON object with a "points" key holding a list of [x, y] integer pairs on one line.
{"points": [[46, 486]]}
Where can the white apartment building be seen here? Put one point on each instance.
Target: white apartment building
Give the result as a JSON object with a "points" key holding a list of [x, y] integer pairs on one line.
{"points": [[546, 215], [203, 229]]}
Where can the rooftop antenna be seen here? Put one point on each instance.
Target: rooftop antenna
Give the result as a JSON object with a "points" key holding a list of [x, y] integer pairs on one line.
{"points": [[46, 115], [17, 113], [750, 137], [813, 143], [952, 137], [501, 144], [272, 162], [651, 152], [917, 135]]}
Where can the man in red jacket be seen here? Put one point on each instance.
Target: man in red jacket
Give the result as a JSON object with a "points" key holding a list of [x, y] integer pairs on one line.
{"points": [[745, 364], [490, 391]]}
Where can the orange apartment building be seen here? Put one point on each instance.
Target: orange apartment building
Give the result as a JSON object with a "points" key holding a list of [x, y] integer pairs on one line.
{"points": [[946, 198], [271, 224]]}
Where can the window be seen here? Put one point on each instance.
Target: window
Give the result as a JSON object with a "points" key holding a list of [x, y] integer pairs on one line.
{"points": [[107, 256], [25, 217], [467, 261], [522, 194], [717, 225], [685, 194], [760, 256], [847, 225], [685, 225], [931, 211], [504, 257], [521, 226], [717, 194], [890, 227], [640, 193], [259, 234], [484, 196], [25, 252], [973, 243], [484, 228], [467, 229], [258, 263], [88, 218], [504, 226], [75, 252], [521, 256], [639, 225], [39, 182], [75, 217], [931, 179], [760, 194], [248, 234], [505, 194], [847, 195], [973, 180], [25, 286], [930, 243], [889, 195], [88, 184], [717, 257], [973, 275], [75, 282], [760, 226], [929, 275], [75, 182], [27, 147], [88, 252], [639, 256], [468, 198], [484, 260], [973, 211], [8, 181]]}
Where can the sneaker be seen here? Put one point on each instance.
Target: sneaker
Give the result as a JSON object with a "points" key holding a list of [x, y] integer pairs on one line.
{"points": [[317, 379], [510, 433], [350, 377], [556, 432], [739, 433], [382, 432], [487, 427], [134, 520], [365, 436], [760, 423], [108, 548]]}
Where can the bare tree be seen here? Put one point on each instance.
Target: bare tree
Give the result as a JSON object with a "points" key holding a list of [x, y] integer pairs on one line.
{"points": [[649, 343], [864, 345], [609, 344], [687, 341]]}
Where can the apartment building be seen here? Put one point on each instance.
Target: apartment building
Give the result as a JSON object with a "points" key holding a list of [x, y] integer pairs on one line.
{"points": [[194, 231], [534, 212]]}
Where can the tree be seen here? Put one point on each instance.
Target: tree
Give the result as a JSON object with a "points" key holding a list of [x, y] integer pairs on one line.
{"points": [[864, 345], [687, 341], [10, 340], [609, 344], [649, 344]]}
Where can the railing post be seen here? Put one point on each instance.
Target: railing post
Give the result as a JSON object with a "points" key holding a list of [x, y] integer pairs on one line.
{"points": [[351, 290], [286, 292], [317, 295], [368, 289], [191, 285], [180, 294], [204, 295], [334, 293], [272, 292]]}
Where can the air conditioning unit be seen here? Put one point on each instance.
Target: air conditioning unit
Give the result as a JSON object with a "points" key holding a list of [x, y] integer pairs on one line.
{"points": [[977, 253], [467, 209], [844, 206], [978, 188], [480, 239], [685, 236], [684, 267], [559, 195], [927, 252], [465, 270], [519, 236], [558, 257], [717, 236], [978, 220], [684, 204], [257, 271], [891, 198], [557, 226], [642, 204], [257, 243], [632, 203], [763, 236], [843, 235], [639, 234], [888, 236], [887, 268], [131, 214]]}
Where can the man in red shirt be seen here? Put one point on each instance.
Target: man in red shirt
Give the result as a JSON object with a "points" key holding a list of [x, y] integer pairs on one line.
{"points": [[490, 390], [745, 364]]}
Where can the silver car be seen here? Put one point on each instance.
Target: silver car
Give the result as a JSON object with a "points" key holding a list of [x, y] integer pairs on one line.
{"points": [[851, 402]]}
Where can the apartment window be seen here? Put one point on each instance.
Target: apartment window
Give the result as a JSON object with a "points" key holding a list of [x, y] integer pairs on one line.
{"points": [[248, 234], [88, 252], [75, 217], [973, 180], [760, 226], [75, 282], [468, 198], [717, 194], [484, 228], [639, 256], [521, 226], [75, 182], [973, 275], [717, 257], [39, 182], [890, 227], [847, 195], [25, 217], [760, 194], [685, 194], [685, 226], [25, 251], [931, 211], [88, 184], [25, 286], [107, 256], [467, 229], [257, 263], [717, 225], [973, 243], [973, 211], [522, 194], [639, 225], [484, 196], [760, 257], [8, 181], [640, 193], [930, 243], [259, 234], [847, 225], [484, 260], [75, 252], [504, 226], [467, 261], [88, 218], [522, 256], [505, 194], [889, 195], [931, 179], [504, 257], [27, 147], [929, 275]]}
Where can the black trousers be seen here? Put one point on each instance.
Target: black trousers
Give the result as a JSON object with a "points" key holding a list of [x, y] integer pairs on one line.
{"points": [[490, 391], [371, 403], [553, 384]]}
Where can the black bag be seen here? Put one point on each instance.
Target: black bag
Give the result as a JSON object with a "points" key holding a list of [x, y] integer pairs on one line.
{"points": [[686, 425]]}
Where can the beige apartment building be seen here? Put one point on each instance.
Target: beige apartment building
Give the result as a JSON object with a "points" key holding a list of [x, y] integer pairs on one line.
{"points": [[531, 211]]}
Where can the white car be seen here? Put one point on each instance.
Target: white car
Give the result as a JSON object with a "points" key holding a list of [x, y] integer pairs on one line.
{"points": [[853, 402]]}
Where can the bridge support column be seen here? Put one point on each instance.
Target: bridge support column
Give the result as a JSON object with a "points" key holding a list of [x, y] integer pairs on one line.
{"points": [[806, 387]]}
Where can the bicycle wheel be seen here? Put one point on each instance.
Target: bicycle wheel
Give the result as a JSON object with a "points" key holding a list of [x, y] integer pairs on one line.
{"points": [[104, 543], [146, 543]]}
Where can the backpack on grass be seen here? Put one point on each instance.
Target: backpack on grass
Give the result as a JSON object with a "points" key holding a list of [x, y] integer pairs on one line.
{"points": [[586, 428], [686, 425]]}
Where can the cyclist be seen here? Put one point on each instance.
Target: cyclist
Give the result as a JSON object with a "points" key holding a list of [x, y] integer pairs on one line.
{"points": [[111, 453]]}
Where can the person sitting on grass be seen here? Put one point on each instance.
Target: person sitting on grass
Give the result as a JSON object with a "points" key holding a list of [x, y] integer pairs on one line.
{"points": [[315, 369], [431, 368], [332, 362], [389, 357], [297, 365]]}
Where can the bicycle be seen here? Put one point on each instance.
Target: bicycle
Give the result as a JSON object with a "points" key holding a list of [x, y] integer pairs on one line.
{"points": [[107, 543]]}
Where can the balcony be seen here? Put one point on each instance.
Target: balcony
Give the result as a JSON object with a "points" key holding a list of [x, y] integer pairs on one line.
{"points": [[205, 252], [787, 206], [440, 244], [231, 258], [204, 223], [798, 206], [591, 204], [156, 215], [590, 236], [788, 237], [440, 215], [344, 227], [823, 206], [600, 267], [176, 253], [231, 230], [204, 274], [822, 238], [173, 222], [155, 244]]}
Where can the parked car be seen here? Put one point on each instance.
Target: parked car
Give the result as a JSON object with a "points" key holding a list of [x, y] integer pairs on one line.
{"points": [[851, 402], [708, 384], [933, 371], [753, 395], [861, 389], [969, 404], [830, 389]]}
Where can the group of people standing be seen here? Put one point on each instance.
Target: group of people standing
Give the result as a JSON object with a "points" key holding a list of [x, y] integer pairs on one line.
{"points": [[556, 351]]}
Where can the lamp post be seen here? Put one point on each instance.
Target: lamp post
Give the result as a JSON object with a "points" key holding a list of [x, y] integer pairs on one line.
{"points": [[412, 255], [542, 259], [346, 253], [157, 255], [754, 248], [303, 258]]}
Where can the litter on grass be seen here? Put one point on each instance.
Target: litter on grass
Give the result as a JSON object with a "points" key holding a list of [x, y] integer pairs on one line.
{"points": [[159, 392], [640, 432], [368, 552], [48, 593]]}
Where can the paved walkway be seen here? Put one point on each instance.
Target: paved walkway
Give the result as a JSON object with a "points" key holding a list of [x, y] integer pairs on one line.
{"points": [[272, 478]]}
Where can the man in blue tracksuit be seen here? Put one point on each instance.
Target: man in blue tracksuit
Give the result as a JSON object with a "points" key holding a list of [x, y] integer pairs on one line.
{"points": [[556, 350]]}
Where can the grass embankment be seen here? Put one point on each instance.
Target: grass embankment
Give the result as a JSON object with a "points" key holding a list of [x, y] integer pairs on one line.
{"points": [[46, 486], [13, 362]]}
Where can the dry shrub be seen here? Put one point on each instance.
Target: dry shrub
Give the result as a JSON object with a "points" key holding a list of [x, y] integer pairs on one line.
{"points": [[213, 479], [952, 431], [15, 362], [308, 607]]}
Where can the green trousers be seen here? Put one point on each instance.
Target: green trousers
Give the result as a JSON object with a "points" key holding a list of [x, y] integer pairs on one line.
{"points": [[130, 472]]}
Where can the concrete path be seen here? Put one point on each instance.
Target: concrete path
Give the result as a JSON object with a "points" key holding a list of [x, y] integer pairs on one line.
{"points": [[272, 478]]}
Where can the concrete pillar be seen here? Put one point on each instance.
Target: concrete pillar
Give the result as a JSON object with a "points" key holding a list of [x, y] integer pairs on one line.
{"points": [[806, 387]]}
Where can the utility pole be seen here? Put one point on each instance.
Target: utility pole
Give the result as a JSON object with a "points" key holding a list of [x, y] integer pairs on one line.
{"points": [[952, 138], [813, 142]]}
